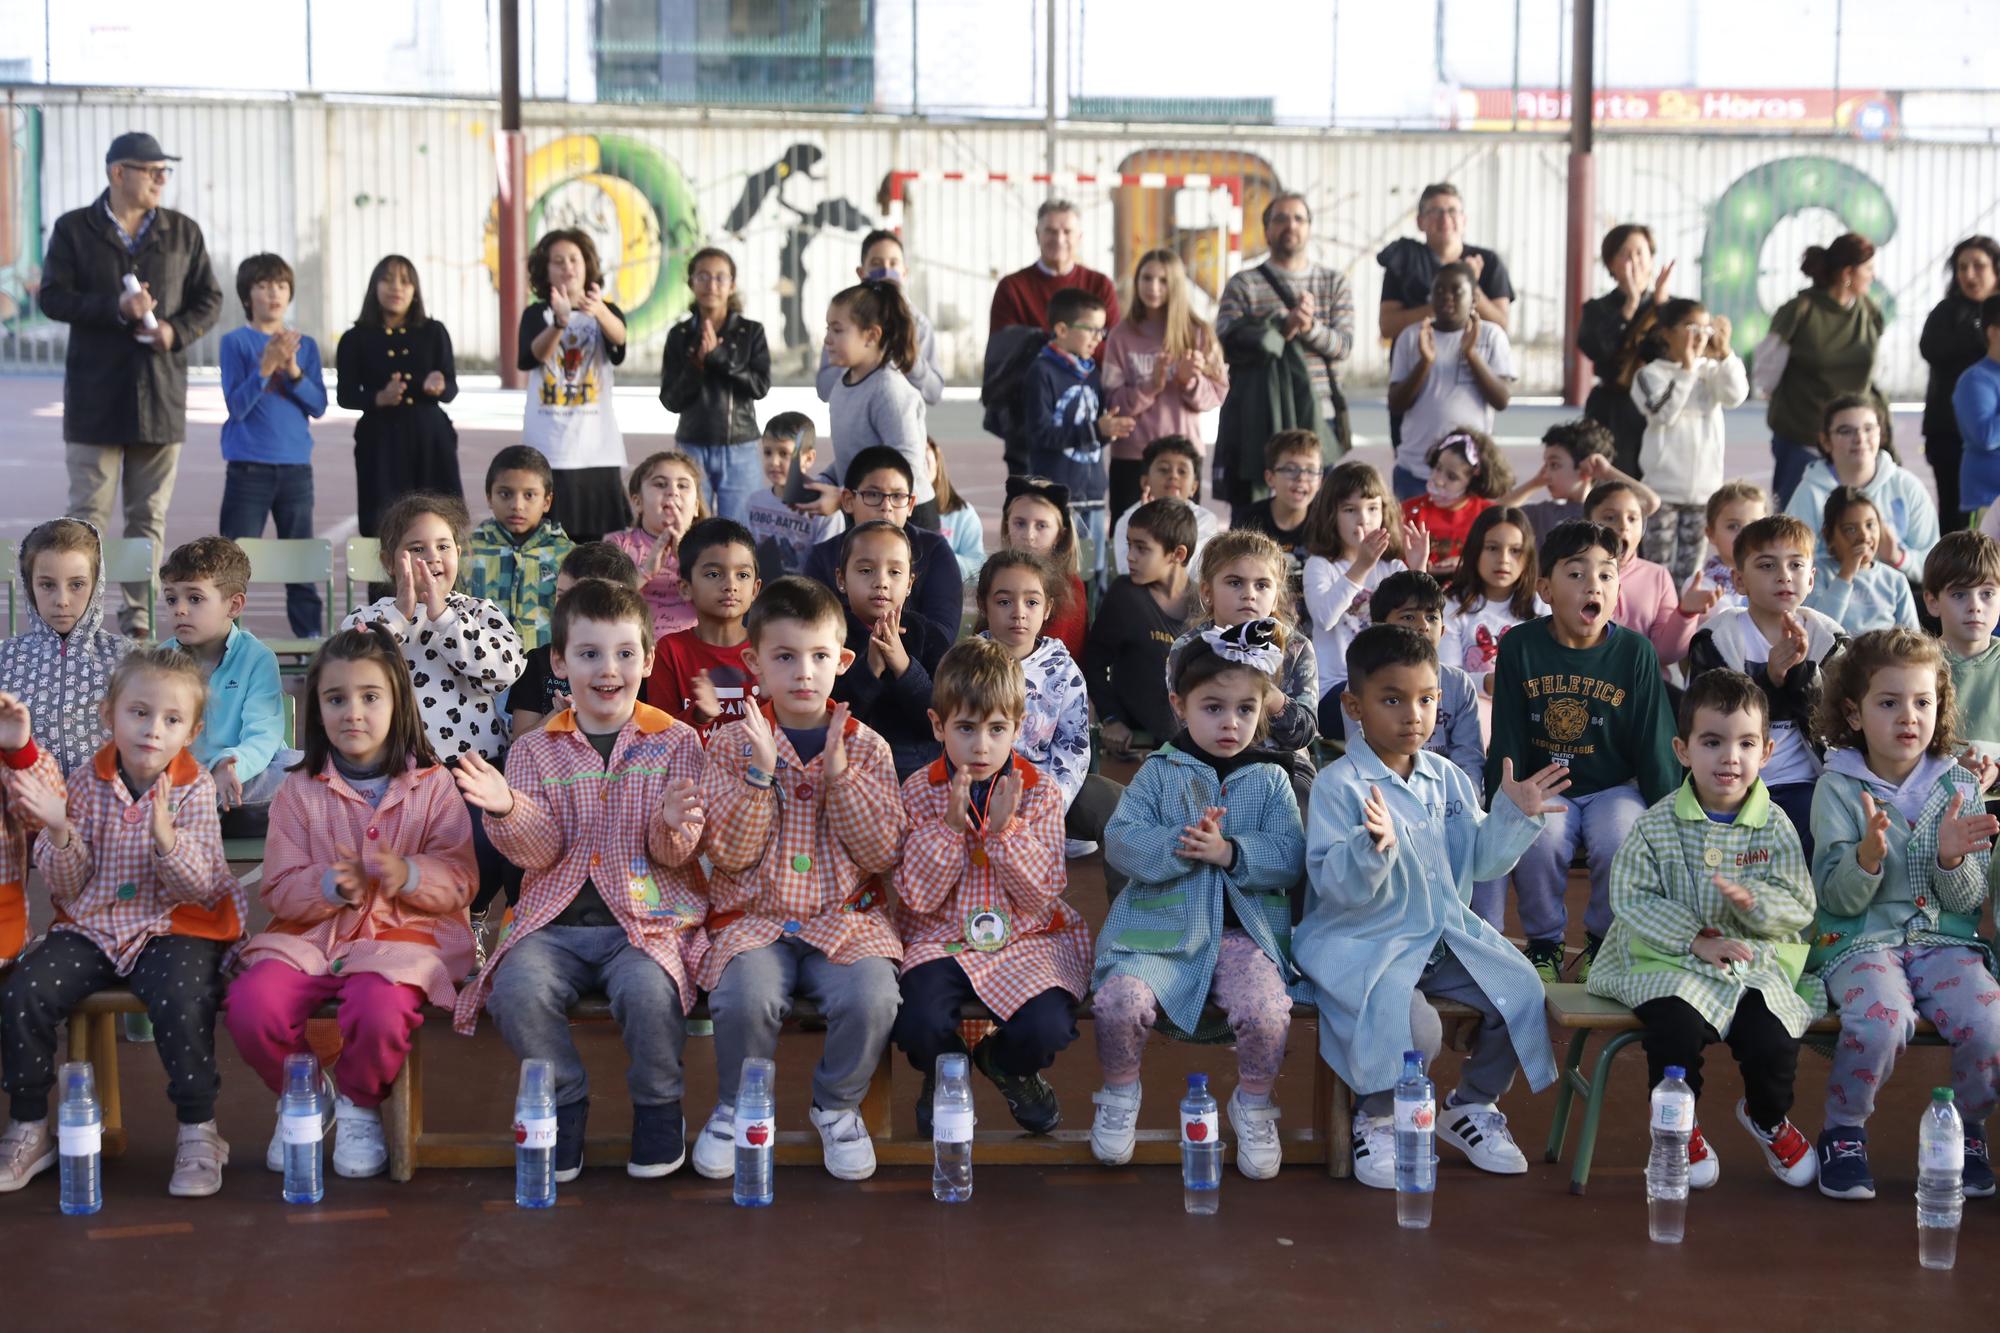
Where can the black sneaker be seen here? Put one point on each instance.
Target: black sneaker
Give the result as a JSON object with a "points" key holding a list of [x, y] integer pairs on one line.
{"points": [[1978, 1176], [924, 1104], [659, 1141], [1591, 944], [569, 1140], [1029, 1096], [1546, 957], [1843, 1163]]}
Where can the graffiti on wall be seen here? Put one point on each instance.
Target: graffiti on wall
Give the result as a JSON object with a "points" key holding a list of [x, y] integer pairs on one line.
{"points": [[20, 213], [807, 221], [637, 207], [1745, 215]]}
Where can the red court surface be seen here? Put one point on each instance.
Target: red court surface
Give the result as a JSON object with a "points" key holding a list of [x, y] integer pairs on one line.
{"points": [[1082, 1248]]}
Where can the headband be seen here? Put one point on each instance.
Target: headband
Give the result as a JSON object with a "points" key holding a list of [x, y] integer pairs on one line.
{"points": [[1054, 492], [1253, 644], [1464, 440]]}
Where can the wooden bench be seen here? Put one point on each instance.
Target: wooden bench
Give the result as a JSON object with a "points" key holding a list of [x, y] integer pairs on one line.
{"points": [[1575, 1010], [1326, 1140]]}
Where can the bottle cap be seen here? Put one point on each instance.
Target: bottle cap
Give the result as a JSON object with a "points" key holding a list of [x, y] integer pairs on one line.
{"points": [[1943, 1095], [758, 1074], [301, 1074], [951, 1066], [1197, 1083], [1413, 1058], [538, 1081], [1676, 1071], [79, 1080]]}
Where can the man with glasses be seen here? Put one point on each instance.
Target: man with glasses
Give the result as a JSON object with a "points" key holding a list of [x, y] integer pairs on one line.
{"points": [[1410, 266], [879, 485], [1285, 316], [125, 373]]}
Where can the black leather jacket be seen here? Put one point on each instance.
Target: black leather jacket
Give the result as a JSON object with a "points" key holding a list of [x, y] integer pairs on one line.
{"points": [[717, 399]]}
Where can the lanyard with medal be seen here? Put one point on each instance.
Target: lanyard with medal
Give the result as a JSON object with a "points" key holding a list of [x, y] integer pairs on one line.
{"points": [[986, 928]]}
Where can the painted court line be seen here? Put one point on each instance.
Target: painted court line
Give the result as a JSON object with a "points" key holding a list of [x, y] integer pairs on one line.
{"points": [[140, 1233], [338, 1215]]}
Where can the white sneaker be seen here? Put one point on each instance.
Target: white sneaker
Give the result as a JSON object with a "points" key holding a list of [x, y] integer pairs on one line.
{"points": [[359, 1150], [1259, 1153], [849, 1149], [715, 1150], [1479, 1130], [274, 1155], [1704, 1167], [1076, 848], [1786, 1151], [1375, 1150], [1116, 1124]]}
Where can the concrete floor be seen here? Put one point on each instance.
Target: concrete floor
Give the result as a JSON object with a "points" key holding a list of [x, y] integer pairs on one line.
{"points": [[1084, 1247]]}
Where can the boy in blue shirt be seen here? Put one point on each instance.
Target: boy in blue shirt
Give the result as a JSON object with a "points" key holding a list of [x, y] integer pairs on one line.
{"points": [[203, 585], [1062, 414], [271, 381], [1395, 840]]}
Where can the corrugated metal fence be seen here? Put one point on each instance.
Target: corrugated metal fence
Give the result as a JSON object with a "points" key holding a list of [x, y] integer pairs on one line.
{"points": [[335, 184]]}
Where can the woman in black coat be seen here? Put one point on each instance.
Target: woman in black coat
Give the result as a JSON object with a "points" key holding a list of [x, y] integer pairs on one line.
{"points": [[1953, 343], [1600, 335], [395, 367]]}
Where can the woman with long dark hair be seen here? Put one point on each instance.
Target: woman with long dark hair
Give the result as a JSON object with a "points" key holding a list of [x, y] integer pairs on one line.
{"points": [[1952, 343], [395, 367]]}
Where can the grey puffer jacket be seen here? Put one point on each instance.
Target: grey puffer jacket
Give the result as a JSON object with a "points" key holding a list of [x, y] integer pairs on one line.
{"points": [[63, 677]]}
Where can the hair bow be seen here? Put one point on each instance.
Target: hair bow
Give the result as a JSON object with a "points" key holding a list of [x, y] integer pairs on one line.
{"points": [[1255, 643], [1465, 442]]}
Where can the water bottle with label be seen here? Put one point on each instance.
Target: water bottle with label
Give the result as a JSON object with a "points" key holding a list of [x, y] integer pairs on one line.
{"points": [[1667, 1167], [535, 1136], [1940, 1181], [80, 1140], [951, 1131], [755, 1128], [1416, 1143], [299, 1123], [1201, 1148]]}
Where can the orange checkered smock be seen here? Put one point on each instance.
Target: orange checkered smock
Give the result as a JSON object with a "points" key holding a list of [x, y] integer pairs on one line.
{"points": [[109, 886], [804, 857], [576, 818], [946, 876], [17, 826], [417, 937]]}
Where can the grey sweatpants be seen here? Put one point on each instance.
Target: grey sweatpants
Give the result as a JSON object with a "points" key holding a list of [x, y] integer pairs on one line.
{"points": [[755, 993], [1488, 1072]]}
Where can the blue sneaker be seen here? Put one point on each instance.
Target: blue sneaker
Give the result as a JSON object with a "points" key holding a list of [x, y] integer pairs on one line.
{"points": [[1978, 1177], [659, 1141], [1843, 1163]]}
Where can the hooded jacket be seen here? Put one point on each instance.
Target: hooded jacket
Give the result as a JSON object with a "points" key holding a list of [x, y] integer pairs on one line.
{"points": [[62, 677]]}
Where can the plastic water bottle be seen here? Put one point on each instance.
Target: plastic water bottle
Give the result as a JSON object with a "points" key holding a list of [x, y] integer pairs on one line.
{"points": [[951, 1132], [1201, 1148], [755, 1129], [535, 1136], [80, 1138], [299, 1124], [1940, 1181], [1416, 1143], [1667, 1168]]}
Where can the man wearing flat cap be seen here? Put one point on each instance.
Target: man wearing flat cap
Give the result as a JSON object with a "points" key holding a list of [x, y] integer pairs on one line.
{"points": [[125, 377]]}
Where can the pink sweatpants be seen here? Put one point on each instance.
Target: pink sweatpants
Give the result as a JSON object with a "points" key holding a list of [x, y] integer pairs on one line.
{"points": [[267, 1008], [1246, 987]]}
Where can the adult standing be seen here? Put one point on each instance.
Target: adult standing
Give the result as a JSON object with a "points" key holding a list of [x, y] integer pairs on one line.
{"points": [[1953, 342], [1287, 315], [571, 342], [1832, 329], [1409, 267], [1162, 367], [716, 369], [1023, 295], [1600, 335], [125, 371]]}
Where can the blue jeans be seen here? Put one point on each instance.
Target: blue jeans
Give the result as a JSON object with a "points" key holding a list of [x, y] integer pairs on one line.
{"points": [[285, 492], [1602, 821], [1795, 799], [1789, 461], [730, 475], [1405, 484], [542, 976], [1088, 518]]}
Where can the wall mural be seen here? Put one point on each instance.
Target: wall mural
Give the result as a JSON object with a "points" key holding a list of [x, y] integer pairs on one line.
{"points": [[768, 185]]}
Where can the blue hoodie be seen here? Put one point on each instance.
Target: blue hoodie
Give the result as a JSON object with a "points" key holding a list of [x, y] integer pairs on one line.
{"points": [[1060, 407], [63, 677], [245, 713]]}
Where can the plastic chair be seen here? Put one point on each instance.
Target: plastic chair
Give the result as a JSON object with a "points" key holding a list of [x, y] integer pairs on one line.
{"points": [[10, 572], [132, 560], [252, 849], [293, 560], [364, 554]]}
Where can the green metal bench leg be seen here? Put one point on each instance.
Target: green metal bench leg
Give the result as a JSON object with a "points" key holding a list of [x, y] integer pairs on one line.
{"points": [[1600, 1080], [1565, 1092]]}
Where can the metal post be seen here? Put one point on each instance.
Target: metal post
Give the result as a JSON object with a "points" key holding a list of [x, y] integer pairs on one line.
{"points": [[916, 99], [1582, 195], [1049, 112], [512, 160]]}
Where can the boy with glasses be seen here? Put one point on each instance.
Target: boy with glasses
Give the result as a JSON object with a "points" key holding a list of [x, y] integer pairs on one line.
{"points": [[1292, 470], [1063, 415]]}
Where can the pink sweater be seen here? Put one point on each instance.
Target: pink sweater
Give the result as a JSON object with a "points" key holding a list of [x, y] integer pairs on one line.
{"points": [[671, 611], [1649, 602], [1129, 355]]}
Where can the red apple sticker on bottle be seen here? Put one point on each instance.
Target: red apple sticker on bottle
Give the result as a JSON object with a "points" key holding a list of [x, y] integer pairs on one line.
{"points": [[1201, 1129], [755, 1133]]}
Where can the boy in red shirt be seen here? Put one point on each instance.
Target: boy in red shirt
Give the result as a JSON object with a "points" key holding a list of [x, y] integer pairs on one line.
{"points": [[699, 674]]}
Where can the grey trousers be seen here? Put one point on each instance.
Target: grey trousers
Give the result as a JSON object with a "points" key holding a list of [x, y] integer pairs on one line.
{"points": [[148, 472], [755, 993], [544, 974], [1488, 1071]]}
